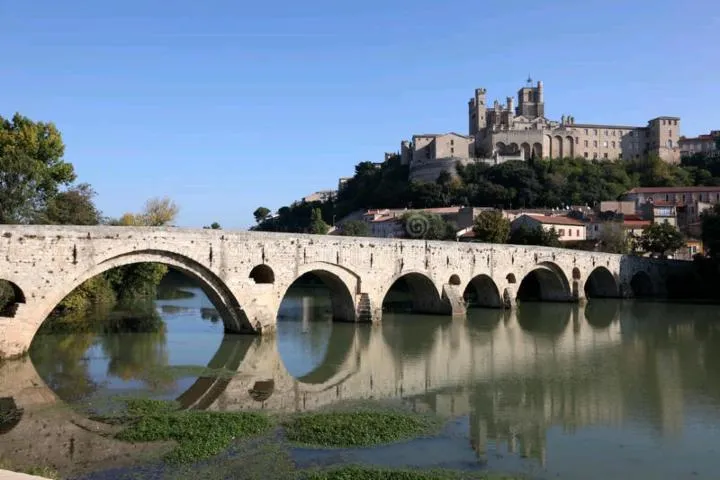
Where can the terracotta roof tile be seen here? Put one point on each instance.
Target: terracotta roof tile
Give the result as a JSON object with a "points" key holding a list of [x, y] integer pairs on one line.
{"points": [[555, 220]]}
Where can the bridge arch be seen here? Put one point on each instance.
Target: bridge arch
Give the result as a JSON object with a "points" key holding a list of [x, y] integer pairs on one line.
{"points": [[234, 318], [15, 296], [424, 295], [545, 282], [601, 284], [342, 283], [262, 274], [641, 285], [482, 291]]}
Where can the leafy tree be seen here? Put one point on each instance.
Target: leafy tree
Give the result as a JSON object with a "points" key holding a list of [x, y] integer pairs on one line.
{"points": [[159, 212], [492, 227], [428, 226], [213, 226], [317, 224], [661, 238], [72, 207], [261, 213], [612, 239], [711, 230], [535, 236], [32, 168], [355, 228]]}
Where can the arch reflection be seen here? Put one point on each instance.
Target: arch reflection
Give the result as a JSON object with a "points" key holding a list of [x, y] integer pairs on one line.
{"points": [[500, 370], [546, 319]]}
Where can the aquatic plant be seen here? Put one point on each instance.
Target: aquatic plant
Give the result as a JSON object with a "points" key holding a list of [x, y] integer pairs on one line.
{"points": [[356, 429], [354, 472], [198, 434]]}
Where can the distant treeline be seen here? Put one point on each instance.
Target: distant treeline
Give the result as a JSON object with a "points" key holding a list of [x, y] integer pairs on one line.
{"points": [[513, 184]]}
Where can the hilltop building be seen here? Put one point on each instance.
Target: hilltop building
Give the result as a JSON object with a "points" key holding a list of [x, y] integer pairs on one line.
{"points": [[707, 143], [498, 133]]}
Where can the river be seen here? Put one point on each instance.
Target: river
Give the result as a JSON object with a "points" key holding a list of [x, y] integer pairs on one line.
{"points": [[623, 389]]}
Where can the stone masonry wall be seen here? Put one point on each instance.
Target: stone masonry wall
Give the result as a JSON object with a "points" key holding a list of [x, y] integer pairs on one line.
{"points": [[48, 262]]}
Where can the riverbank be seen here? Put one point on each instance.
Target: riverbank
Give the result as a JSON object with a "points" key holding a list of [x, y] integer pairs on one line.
{"points": [[10, 475]]}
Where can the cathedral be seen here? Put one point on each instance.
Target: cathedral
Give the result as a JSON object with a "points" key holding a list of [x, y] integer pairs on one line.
{"points": [[498, 133]]}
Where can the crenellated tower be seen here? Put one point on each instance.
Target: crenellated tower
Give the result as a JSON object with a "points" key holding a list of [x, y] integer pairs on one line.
{"points": [[476, 112]]}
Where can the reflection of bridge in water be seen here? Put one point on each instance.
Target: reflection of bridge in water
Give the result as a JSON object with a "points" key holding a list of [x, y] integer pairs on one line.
{"points": [[376, 363], [515, 373]]}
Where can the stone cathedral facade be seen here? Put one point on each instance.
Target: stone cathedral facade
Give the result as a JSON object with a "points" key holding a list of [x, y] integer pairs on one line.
{"points": [[501, 132]]}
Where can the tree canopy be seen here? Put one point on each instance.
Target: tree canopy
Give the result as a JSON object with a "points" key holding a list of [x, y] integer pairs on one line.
{"points": [[355, 228], [32, 168], [492, 227], [513, 184], [317, 224], [661, 238]]}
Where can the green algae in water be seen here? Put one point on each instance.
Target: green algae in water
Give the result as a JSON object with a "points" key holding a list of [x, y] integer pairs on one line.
{"points": [[199, 435], [353, 472], [356, 429], [252, 460], [149, 406]]}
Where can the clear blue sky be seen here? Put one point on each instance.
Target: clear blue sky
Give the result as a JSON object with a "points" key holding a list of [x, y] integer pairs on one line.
{"points": [[228, 105]]}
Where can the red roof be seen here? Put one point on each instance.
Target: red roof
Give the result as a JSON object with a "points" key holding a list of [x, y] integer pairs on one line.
{"points": [[636, 223], [674, 189], [555, 220]]}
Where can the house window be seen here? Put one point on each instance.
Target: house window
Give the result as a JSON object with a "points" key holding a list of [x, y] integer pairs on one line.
{"points": [[605, 155], [452, 142], [452, 150], [586, 143], [613, 133], [577, 140], [586, 155], [595, 143], [607, 134], [669, 133], [613, 144], [586, 131], [561, 232], [578, 232], [596, 228]]}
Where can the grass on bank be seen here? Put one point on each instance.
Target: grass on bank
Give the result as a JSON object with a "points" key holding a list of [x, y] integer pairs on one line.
{"points": [[199, 434], [47, 472], [356, 429]]}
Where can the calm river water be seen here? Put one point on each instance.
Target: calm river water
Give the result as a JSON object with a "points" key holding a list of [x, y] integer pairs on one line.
{"points": [[612, 389]]}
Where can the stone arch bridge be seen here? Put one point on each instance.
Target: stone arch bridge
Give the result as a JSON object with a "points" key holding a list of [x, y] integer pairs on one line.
{"points": [[246, 274]]}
